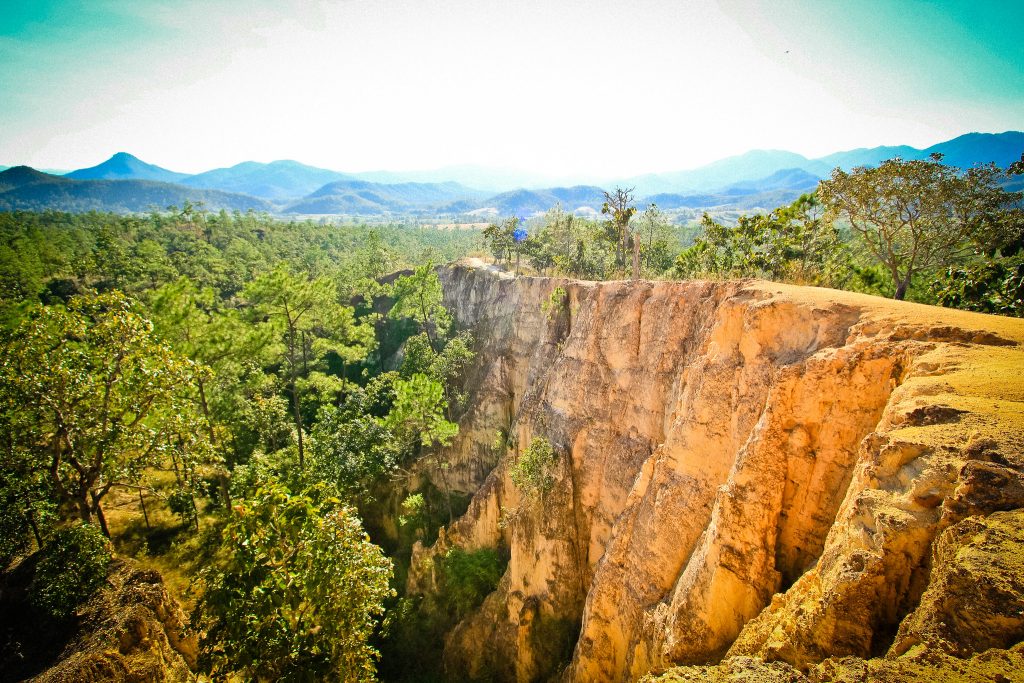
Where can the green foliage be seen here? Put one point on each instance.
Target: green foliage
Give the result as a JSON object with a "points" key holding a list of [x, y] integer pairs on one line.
{"points": [[556, 304], [572, 245], [297, 593], [351, 448], [564, 240], [182, 502], [792, 243], [72, 565], [469, 577], [913, 216], [310, 323], [417, 357], [445, 367], [419, 298], [418, 414], [657, 241], [413, 512], [260, 340], [89, 398], [992, 286], [27, 505], [533, 471], [499, 239], [618, 205]]}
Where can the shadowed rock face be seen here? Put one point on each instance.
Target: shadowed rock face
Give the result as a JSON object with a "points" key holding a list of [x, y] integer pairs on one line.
{"points": [[745, 469]]}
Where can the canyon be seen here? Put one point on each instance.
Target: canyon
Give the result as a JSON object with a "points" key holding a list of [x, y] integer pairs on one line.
{"points": [[753, 481]]}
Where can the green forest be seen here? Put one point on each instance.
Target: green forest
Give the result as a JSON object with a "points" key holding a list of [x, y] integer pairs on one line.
{"points": [[248, 404]]}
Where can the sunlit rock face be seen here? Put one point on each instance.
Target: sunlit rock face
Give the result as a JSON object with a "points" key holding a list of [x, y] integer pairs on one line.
{"points": [[746, 470]]}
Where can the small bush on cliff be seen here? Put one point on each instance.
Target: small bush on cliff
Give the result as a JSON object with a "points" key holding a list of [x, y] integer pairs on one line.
{"points": [[73, 564], [533, 472], [556, 303], [469, 577]]}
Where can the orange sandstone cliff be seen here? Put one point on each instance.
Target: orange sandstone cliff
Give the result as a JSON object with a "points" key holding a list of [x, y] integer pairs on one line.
{"points": [[755, 481]]}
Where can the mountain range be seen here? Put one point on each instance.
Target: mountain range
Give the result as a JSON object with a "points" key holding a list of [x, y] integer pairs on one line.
{"points": [[756, 179], [26, 189], [963, 151]]}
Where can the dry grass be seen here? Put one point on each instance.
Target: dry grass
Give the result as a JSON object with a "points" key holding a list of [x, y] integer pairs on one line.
{"points": [[166, 543]]}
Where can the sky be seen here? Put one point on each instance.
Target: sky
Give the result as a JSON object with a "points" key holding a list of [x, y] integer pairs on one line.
{"points": [[595, 87]]}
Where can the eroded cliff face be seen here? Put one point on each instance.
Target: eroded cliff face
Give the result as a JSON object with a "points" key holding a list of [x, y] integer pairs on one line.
{"points": [[747, 470]]}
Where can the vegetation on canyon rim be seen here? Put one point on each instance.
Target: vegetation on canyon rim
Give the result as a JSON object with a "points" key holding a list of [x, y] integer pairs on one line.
{"points": [[267, 384]]}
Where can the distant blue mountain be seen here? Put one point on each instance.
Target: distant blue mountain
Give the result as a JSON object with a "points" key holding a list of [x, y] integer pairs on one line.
{"points": [[277, 180], [754, 164], [26, 189], [963, 151], [793, 179], [364, 197], [124, 166], [19, 176], [529, 202], [484, 178], [980, 148], [868, 157]]}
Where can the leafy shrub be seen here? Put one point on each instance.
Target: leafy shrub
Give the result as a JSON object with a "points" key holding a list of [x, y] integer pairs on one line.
{"points": [[72, 566], [533, 471], [26, 510], [297, 593], [469, 577], [182, 504], [555, 304], [995, 286], [413, 512]]}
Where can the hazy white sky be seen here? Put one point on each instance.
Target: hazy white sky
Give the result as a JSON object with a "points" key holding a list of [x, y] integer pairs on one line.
{"points": [[600, 87]]}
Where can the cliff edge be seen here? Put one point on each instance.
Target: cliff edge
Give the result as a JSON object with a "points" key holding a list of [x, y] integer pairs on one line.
{"points": [[749, 476]]}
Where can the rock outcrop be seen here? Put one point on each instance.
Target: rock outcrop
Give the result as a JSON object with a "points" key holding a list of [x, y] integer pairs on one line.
{"points": [[130, 630], [783, 477]]}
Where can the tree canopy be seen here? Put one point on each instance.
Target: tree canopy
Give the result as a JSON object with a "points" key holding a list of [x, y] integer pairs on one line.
{"points": [[89, 398], [920, 214], [297, 593]]}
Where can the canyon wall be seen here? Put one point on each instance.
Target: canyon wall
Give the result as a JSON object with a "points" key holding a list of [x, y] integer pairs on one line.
{"points": [[747, 473]]}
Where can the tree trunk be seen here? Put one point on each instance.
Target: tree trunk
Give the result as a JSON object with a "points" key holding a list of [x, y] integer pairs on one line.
{"points": [[142, 504], [636, 257], [298, 425], [292, 376], [206, 412], [82, 503], [100, 517], [35, 527], [901, 288]]}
